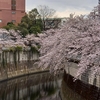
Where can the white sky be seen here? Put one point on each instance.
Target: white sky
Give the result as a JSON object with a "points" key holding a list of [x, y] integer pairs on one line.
{"points": [[64, 7]]}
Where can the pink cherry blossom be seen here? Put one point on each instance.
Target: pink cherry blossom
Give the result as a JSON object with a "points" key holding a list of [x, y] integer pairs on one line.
{"points": [[77, 39]]}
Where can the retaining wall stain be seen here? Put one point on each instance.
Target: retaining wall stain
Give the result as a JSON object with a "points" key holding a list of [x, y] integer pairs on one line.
{"points": [[16, 63], [86, 91]]}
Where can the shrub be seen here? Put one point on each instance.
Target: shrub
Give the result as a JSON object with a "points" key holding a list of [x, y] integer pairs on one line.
{"points": [[10, 25], [34, 50], [35, 30], [18, 48], [12, 49], [24, 32], [23, 24]]}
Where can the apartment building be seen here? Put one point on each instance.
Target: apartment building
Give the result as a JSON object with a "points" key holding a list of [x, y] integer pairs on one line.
{"points": [[11, 11]]}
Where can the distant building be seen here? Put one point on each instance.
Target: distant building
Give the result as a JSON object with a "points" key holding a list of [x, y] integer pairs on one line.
{"points": [[54, 22], [11, 11]]}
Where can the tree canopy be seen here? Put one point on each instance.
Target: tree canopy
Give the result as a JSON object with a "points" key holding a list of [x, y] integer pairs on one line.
{"points": [[45, 13], [32, 22], [78, 39]]}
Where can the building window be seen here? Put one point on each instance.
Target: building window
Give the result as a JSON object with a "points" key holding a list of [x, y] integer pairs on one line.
{"points": [[13, 12], [13, 4], [0, 21], [22, 11], [13, 21]]}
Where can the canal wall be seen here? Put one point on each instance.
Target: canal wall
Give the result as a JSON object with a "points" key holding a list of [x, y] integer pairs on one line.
{"points": [[87, 87], [71, 68], [78, 90], [68, 93], [18, 63]]}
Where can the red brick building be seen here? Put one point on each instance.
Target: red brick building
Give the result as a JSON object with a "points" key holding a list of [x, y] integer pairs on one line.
{"points": [[11, 11]]}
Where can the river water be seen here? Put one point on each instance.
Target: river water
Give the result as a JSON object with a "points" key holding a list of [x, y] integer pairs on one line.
{"points": [[43, 86]]}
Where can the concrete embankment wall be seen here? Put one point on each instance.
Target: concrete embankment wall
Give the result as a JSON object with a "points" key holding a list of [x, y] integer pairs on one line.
{"points": [[78, 90], [17, 63], [72, 68]]}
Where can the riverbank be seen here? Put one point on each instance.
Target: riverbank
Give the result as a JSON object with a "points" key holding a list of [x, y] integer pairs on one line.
{"points": [[18, 63], [41, 86], [78, 90], [17, 74]]}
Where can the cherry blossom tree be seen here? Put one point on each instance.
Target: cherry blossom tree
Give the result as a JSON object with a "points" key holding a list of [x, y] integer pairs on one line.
{"points": [[12, 38], [77, 40]]}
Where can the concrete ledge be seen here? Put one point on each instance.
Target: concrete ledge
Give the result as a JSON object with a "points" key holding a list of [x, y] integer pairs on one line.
{"points": [[20, 73]]}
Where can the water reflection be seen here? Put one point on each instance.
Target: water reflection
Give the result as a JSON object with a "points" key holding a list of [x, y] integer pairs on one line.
{"points": [[69, 94], [34, 87]]}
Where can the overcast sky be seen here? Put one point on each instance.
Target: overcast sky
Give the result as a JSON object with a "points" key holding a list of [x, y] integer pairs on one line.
{"points": [[64, 7]]}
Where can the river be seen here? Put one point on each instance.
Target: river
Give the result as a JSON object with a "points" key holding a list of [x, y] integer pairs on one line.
{"points": [[42, 86]]}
